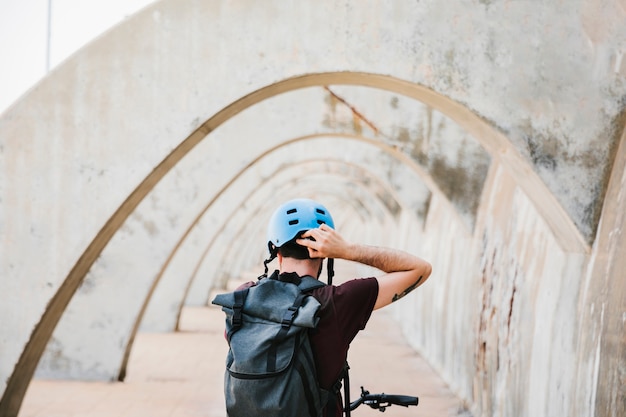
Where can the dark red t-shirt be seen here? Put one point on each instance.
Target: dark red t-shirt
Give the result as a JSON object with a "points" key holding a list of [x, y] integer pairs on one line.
{"points": [[345, 310]]}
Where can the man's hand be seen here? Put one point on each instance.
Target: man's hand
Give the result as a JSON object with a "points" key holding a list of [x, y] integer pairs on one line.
{"points": [[324, 242]]}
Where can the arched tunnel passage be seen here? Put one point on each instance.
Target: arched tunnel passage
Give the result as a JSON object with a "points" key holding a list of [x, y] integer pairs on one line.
{"points": [[412, 174], [213, 255], [419, 206], [256, 210], [497, 145], [176, 278], [542, 345]]}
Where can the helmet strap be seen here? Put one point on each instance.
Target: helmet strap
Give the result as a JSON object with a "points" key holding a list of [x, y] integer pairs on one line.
{"points": [[330, 268], [273, 255]]}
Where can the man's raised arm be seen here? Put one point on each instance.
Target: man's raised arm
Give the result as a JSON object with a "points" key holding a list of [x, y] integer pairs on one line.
{"points": [[403, 272]]}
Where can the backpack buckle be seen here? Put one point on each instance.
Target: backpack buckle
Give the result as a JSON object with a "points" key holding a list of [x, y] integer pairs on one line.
{"points": [[236, 320], [289, 316], [240, 298]]}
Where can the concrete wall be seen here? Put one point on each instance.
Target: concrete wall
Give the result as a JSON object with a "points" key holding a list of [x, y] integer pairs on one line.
{"points": [[486, 136]]}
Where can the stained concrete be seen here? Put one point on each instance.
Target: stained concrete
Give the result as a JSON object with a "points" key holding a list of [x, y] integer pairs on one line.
{"points": [[524, 317]]}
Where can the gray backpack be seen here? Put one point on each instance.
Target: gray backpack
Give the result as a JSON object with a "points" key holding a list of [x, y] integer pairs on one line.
{"points": [[270, 370]]}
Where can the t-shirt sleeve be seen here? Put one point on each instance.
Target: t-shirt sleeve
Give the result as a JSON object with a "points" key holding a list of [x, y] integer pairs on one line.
{"points": [[354, 302]]}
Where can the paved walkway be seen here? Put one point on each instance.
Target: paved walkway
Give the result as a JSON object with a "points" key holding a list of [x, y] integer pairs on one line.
{"points": [[180, 375]]}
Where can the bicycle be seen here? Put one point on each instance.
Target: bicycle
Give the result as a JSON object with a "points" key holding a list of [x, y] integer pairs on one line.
{"points": [[378, 402]]}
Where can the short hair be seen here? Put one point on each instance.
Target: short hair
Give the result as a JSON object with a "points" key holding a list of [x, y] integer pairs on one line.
{"points": [[292, 250]]}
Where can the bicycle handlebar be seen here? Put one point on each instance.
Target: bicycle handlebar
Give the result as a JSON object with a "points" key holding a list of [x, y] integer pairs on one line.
{"points": [[382, 401]]}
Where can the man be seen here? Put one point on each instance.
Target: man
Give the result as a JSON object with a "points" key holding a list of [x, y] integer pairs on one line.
{"points": [[301, 235]]}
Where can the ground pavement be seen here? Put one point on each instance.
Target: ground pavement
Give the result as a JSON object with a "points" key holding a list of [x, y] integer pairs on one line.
{"points": [[180, 375]]}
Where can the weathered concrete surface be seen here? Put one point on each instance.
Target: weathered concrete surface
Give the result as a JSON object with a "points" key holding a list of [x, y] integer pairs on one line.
{"points": [[540, 87], [455, 160], [496, 326], [602, 305]]}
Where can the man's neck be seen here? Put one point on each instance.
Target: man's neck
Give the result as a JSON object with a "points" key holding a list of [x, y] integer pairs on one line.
{"points": [[301, 267]]}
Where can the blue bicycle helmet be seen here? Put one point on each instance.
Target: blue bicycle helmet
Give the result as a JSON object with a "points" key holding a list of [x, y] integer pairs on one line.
{"points": [[293, 217]]}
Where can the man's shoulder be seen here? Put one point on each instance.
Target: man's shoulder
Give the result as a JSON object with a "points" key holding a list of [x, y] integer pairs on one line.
{"points": [[354, 287], [360, 283]]}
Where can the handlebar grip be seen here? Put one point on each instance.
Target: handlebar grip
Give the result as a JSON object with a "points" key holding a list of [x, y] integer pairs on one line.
{"points": [[382, 401], [404, 400]]}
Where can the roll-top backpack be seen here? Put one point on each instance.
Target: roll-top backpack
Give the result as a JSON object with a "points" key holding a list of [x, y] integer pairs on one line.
{"points": [[270, 370]]}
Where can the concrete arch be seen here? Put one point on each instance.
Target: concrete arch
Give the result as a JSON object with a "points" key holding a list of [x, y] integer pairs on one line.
{"points": [[262, 209], [392, 151], [381, 146], [418, 57], [75, 325], [384, 148], [91, 362], [212, 242], [244, 199], [494, 141]]}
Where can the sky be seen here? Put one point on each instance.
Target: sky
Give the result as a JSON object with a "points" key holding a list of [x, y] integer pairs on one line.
{"points": [[38, 35]]}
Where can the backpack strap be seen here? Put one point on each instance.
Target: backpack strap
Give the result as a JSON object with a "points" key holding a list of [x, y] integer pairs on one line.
{"points": [[236, 321], [346, 389], [305, 284], [286, 323]]}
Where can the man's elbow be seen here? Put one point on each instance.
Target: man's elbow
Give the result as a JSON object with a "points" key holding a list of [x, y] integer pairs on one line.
{"points": [[425, 271], [429, 269]]}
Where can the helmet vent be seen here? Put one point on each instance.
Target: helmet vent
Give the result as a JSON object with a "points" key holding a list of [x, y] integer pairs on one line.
{"points": [[321, 222], [320, 211], [292, 222], [291, 211]]}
